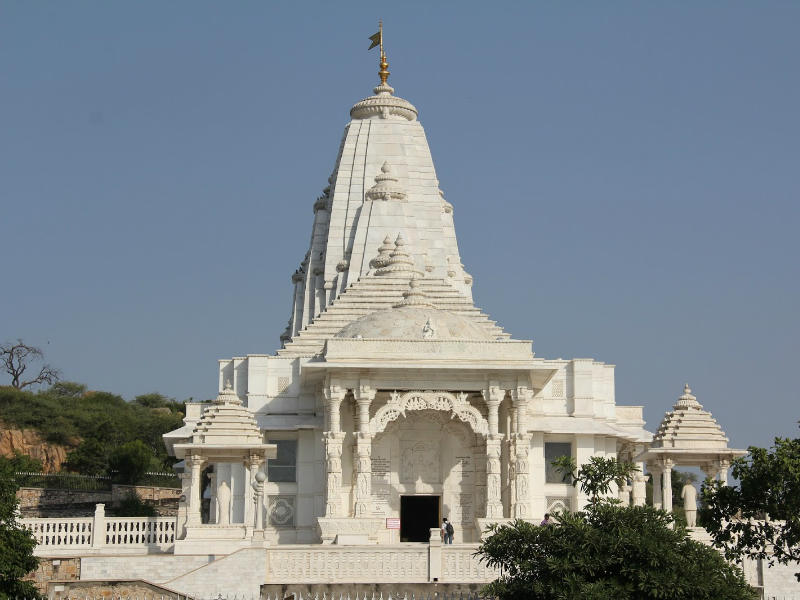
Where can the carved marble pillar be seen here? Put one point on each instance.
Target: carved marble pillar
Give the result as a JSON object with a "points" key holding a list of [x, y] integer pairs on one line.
{"points": [[639, 489], [494, 506], [521, 399], [333, 479], [195, 463], [251, 510], [333, 450], [186, 486], [722, 470], [521, 506], [212, 510], [655, 471], [493, 396], [667, 488], [363, 450], [624, 494]]}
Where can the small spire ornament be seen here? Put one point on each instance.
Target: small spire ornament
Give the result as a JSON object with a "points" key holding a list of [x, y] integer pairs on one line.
{"points": [[377, 40]]}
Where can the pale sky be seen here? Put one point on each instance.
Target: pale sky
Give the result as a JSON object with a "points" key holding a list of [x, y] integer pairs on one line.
{"points": [[624, 174]]}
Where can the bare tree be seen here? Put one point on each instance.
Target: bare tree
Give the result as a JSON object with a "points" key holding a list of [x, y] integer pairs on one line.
{"points": [[17, 357]]}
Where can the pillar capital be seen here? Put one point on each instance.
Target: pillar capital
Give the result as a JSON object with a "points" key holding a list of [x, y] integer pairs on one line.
{"points": [[667, 463], [254, 459], [655, 468], [194, 460], [364, 392], [333, 392], [521, 393], [493, 394]]}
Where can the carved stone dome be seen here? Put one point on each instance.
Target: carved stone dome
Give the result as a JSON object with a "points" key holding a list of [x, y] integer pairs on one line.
{"points": [[413, 322], [384, 105]]}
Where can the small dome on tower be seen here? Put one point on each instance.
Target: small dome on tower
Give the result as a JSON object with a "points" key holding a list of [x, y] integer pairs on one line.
{"points": [[387, 186]]}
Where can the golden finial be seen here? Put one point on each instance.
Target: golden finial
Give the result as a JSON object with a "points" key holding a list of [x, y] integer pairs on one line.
{"points": [[377, 40]]}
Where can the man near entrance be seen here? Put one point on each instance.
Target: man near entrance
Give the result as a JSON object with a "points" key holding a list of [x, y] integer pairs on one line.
{"points": [[447, 531]]}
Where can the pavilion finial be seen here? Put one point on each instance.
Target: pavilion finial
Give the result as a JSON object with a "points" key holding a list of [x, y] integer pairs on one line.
{"points": [[687, 399]]}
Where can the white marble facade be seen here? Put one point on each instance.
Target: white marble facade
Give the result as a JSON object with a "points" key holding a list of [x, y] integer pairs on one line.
{"points": [[390, 383]]}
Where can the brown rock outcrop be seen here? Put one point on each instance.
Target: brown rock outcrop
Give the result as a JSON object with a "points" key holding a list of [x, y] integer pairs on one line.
{"points": [[28, 441]]}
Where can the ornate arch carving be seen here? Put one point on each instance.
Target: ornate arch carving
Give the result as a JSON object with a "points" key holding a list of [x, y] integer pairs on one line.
{"points": [[455, 404]]}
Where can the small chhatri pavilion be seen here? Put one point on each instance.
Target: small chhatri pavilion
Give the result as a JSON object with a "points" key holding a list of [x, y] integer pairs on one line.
{"points": [[689, 437]]}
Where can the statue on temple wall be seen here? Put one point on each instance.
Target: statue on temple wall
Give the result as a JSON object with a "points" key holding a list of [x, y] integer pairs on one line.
{"points": [[223, 503]]}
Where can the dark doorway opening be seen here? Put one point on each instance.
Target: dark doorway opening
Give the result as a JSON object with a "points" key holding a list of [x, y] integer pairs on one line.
{"points": [[418, 514]]}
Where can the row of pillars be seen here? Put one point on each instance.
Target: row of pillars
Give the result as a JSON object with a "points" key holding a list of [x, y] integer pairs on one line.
{"points": [[253, 511], [519, 441], [662, 478]]}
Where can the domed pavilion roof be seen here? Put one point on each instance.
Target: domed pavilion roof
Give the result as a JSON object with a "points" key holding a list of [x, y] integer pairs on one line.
{"points": [[414, 319], [688, 426]]}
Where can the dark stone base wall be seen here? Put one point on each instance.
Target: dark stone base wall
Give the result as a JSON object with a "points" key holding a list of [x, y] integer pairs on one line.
{"points": [[333, 591]]}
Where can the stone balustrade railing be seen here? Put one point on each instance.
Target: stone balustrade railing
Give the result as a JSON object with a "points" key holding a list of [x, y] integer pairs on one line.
{"points": [[99, 531], [368, 564], [324, 563], [460, 564]]}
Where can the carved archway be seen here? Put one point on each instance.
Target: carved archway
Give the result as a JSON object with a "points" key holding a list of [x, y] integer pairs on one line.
{"points": [[455, 404]]}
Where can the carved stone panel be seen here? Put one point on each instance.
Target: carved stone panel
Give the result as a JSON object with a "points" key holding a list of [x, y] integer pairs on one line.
{"points": [[419, 461]]}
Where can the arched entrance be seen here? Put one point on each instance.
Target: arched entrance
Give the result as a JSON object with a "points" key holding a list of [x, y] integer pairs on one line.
{"points": [[430, 461]]}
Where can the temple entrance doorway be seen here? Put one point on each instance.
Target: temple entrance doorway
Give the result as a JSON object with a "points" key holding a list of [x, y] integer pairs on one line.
{"points": [[418, 514]]}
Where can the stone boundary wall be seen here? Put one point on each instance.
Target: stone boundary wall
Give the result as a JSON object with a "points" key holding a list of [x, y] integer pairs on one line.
{"points": [[401, 591], [147, 493], [131, 589], [33, 498], [54, 569], [40, 497]]}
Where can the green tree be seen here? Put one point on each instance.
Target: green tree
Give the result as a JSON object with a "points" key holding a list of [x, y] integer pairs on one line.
{"points": [[89, 458], [68, 414], [16, 543], [607, 552], [22, 463], [130, 462], [760, 516], [68, 389], [18, 357], [596, 476], [133, 506]]}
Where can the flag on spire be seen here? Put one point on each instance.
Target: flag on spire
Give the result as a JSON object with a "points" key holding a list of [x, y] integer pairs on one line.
{"points": [[376, 39]]}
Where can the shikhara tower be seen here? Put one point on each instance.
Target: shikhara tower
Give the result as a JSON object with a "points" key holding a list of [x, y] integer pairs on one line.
{"points": [[391, 395]]}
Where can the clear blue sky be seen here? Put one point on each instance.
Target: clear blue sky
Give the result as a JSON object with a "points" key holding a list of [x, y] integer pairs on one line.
{"points": [[625, 178]]}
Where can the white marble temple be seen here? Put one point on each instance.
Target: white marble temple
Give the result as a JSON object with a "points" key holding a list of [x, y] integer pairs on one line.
{"points": [[392, 395]]}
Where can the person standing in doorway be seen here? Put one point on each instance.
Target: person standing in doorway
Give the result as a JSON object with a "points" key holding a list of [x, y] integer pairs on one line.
{"points": [[447, 531]]}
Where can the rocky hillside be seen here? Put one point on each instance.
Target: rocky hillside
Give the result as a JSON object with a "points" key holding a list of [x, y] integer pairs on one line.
{"points": [[69, 427], [29, 442]]}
